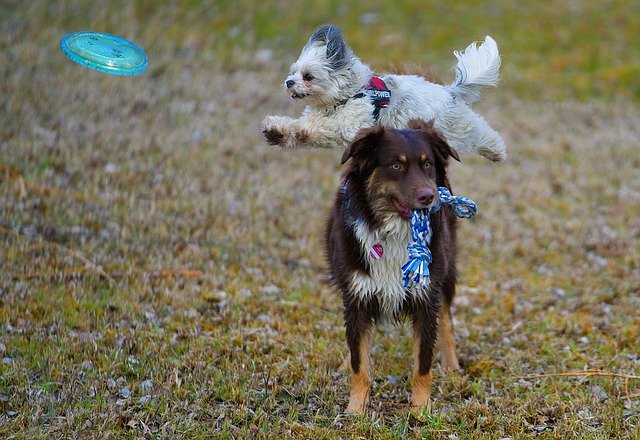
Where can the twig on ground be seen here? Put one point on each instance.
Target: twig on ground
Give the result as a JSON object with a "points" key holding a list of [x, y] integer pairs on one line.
{"points": [[77, 254], [591, 372], [177, 273], [582, 373], [24, 186]]}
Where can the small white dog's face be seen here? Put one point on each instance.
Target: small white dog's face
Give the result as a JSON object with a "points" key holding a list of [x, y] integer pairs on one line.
{"points": [[309, 76], [326, 71]]}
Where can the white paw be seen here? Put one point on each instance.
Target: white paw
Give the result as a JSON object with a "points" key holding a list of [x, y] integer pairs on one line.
{"points": [[272, 130]]}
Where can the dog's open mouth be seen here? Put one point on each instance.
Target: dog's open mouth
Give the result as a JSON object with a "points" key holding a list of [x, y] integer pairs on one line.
{"points": [[295, 95], [404, 211]]}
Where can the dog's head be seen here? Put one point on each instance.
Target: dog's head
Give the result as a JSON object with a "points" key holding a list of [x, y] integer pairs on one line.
{"points": [[401, 169], [327, 71]]}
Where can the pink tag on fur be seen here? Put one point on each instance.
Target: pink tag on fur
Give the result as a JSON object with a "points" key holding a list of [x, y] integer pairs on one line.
{"points": [[377, 251]]}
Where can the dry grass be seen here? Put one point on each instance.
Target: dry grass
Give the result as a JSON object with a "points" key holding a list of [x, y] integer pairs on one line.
{"points": [[161, 267]]}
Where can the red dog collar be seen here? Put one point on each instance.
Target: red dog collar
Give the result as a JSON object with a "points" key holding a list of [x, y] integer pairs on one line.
{"points": [[378, 92]]}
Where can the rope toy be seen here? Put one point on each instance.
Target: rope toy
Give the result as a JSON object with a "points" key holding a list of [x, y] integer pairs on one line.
{"points": [[416, 269]]}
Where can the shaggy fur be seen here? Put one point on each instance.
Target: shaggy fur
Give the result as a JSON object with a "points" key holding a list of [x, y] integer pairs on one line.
{"points": [[330, 79], [389, 173]]}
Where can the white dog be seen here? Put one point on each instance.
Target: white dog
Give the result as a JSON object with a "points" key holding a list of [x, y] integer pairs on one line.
{"points": [[343, 97]]}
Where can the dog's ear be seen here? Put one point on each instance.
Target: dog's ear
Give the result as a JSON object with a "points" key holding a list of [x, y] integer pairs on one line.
{"points": [[363, 149], [331, 37], [433, 137]]}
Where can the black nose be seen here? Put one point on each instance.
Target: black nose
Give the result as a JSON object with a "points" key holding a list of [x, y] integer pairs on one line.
{"points": [[425, 195], [289, 83]]}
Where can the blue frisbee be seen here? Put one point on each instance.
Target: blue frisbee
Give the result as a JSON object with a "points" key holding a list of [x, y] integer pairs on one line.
{"points": [[104, 52]]}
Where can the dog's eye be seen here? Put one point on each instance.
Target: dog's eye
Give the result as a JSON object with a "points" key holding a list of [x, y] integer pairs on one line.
{"points": [[427, 165], [307, 77], [397, 166]]}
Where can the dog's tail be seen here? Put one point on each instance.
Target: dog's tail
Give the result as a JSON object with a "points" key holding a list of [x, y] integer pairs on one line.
{"points": [[477, 67]]}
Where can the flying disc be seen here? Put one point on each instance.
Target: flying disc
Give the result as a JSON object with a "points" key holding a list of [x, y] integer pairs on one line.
{"points": [[104, 52]]}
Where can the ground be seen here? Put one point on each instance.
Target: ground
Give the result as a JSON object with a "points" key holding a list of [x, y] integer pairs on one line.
{"points": [[162, 272]]}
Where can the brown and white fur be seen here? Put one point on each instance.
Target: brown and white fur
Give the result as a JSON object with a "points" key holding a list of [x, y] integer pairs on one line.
{"points": [[389, 173]]}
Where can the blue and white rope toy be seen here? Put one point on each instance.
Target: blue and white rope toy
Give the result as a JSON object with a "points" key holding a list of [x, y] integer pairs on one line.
{"points": [[416, 269]]}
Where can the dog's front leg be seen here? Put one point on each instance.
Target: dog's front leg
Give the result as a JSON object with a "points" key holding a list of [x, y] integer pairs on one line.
{"points": [[359, 336], [309, 131], [288, 133], [425, 331]]}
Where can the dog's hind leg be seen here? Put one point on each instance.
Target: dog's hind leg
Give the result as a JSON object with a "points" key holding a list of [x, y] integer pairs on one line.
{"points": [[360, 332], [346, 362], [425, 330], [446, 340], [468, 132]]}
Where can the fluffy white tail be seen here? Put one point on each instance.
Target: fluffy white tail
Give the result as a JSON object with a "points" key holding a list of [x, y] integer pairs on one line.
{"points": [[477, 67]]}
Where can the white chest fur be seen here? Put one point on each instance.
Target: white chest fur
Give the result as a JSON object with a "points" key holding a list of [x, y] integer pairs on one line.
{"points": [[384, 280]]}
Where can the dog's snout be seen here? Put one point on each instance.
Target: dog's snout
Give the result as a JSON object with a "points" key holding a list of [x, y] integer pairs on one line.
{"points": [[289, 83], [425, 195]]}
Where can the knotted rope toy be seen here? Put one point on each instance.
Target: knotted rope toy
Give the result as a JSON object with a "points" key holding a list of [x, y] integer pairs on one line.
{"points": [[416, 269]]}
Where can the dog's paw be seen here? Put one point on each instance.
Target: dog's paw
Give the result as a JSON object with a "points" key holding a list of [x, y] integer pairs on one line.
{"points": [[421, 412], [273, 129], [273, 136], [355, 407]]}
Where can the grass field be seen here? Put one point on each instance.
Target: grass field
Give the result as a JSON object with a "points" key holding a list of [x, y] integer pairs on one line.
{"points": [[161, 269]]}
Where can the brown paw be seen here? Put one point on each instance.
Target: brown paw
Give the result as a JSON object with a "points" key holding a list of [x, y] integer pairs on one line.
{"points": [[449, 364], [421, 392], [359, 395], [273, 137], [356, 406]]}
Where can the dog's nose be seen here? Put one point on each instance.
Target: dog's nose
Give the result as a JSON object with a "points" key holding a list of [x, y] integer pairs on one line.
{"points": [[289, 83], [425, 196]]}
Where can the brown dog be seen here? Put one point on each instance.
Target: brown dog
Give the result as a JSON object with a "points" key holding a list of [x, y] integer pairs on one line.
{"points": [[391, 172]]}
